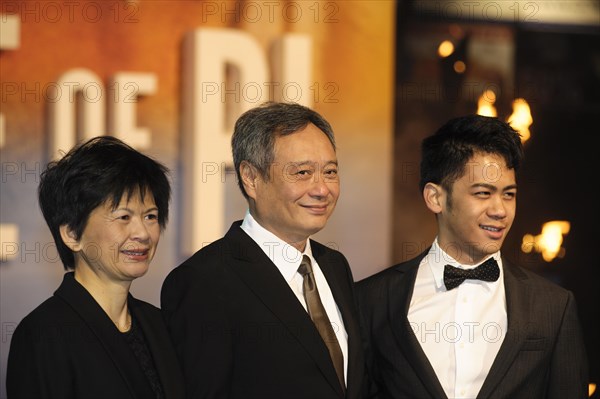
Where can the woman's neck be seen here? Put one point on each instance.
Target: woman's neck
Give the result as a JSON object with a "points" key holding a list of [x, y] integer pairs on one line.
{"points": [[110, 295]]}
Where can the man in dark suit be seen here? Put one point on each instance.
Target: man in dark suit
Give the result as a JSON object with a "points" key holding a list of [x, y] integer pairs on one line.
{"points": [[242, 311], [460, 321]]}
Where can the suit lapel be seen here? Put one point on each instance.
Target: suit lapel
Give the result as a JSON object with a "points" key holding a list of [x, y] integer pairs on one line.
{"points": [[264, 279], [518, 305], [400, 290], [157, 338], [331, 269], [76, 296]]}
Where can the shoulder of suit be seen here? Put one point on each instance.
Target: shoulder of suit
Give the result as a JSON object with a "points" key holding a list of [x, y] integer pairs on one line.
{"points": [[210, 267], [204, 256], [46, 318], [235, 237], [320, 249], [375, 279], [47, 309], [390, 271], [537, 282]]}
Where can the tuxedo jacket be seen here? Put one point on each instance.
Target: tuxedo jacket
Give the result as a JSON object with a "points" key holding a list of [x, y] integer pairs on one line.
{"points": [[68, 348], [542, 355], [240, 332]]}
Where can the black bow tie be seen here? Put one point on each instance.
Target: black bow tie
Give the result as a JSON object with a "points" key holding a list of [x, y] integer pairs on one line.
{"points": [[487, 271]]}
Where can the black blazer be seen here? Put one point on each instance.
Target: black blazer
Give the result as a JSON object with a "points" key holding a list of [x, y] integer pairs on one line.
{"points": [[240, 332], [542, 355], [69, 348]]}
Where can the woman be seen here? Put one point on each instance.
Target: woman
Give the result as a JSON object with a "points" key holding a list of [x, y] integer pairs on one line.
{"points": [[106, 205]]}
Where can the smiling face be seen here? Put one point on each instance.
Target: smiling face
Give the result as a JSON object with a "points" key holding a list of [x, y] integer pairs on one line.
{"points": [[117, 244], [474, 219], [298, 197]]}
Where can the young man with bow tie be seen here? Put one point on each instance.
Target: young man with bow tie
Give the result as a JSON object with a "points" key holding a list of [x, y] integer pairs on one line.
{"points": [[459, 320]]}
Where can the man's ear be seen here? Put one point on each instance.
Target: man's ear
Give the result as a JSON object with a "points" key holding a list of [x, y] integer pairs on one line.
{"points": [[249, 175], [69, 238], [433, 195]]}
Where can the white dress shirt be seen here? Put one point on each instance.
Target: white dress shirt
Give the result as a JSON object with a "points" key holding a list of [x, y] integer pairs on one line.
{"points": [[460, 330], [287, 259]]}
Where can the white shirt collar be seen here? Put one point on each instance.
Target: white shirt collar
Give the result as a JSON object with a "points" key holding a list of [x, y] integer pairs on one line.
{"points": [[285, 256], [437, 259]]}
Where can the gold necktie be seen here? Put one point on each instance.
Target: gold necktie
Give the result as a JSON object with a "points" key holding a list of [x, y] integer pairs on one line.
{"points": [[319, 317]]}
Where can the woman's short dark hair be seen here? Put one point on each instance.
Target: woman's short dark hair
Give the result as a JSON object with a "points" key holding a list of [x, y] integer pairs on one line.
{"points": [[256, 130], [445, 154], [99, 171]]}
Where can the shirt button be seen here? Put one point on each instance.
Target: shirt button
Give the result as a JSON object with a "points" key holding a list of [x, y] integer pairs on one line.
{"points": [[462, 392], [465, 299], [462, 345]]}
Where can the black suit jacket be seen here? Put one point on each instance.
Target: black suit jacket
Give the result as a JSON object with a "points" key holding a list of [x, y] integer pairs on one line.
{"points": [[69, 348], [240, 331], [542, 355]]}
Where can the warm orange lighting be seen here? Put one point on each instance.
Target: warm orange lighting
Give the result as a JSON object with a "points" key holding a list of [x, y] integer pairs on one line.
{"points": [[485, 104], [521, 118], [456, 31], [460, 67], [445, 49], [549, 242], [592, 389]]}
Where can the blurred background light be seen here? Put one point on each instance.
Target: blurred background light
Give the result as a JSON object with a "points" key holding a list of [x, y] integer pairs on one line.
{"points": [[521, 118], [445, 48], [549, 242]]}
